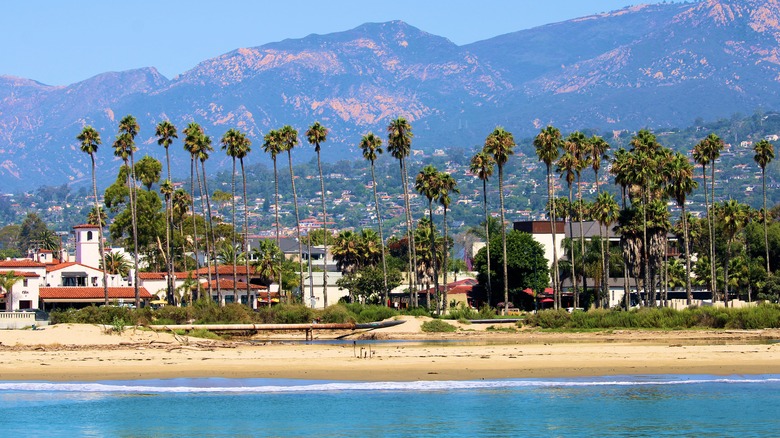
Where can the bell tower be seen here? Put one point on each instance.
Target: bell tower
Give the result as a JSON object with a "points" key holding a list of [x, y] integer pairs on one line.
{"points": [[87, 245]]}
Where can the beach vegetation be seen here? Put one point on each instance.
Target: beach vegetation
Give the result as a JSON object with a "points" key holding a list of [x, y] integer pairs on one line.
{"points": [[749, 318], [437, 326]]}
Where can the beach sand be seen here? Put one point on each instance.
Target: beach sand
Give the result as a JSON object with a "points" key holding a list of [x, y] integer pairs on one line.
{"points": [[84, 352]]}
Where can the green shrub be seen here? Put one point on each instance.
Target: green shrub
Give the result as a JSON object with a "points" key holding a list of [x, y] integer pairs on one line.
{"points": [[292, 314], [336, 314], [549, 319], [462, 312], [437, 326], [416, 311]]}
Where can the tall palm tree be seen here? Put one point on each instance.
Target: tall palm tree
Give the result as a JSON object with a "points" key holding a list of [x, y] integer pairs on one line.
{"points": [[706, 152], [317, 134], [399, 144], [447, 185], [547, 144], [272, 145], [765, 153], [231, 144], [267, 262], [289, 137], [428, 184], [482, 166], [682, 184], [90, 140], [579, 146], [605, 212], [566, 168], [371, 145], [598, 148], [500, 144], [129, 126], [193, 131], [165, 133]]}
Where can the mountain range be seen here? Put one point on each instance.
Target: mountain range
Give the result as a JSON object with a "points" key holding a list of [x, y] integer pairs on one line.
{"points": [[655, 66]]}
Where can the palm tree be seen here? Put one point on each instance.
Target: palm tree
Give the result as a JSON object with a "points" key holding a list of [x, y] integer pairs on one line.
{"points": [[399, 144], [735, 217], [482, 166], [447, 185], [204, 149], [165, 133], [500, 144], [273, 145], [192, 143], [289, 137], [346, 252], [371, 145], [90, 140], [706, 152], [547, 144], [765, 153], [268, 262], [317, 134], [129, 127], [578, 145], [7, 282], [605, 212], [682, 184], [236, 145], [116, 264], [180, 205], [428, 184], [566, 168]]}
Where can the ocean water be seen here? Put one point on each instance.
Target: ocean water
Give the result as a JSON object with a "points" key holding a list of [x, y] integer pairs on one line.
{"points": [[635, 406]]}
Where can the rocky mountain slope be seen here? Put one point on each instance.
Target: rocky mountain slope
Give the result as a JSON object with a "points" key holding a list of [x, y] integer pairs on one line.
{"points": [[646, 66]]}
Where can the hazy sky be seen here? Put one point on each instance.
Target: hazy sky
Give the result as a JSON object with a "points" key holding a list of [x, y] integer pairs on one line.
{"points": [[59, 42]]}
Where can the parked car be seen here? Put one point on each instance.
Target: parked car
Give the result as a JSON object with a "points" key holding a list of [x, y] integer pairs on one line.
{"points": [[40, 315]]}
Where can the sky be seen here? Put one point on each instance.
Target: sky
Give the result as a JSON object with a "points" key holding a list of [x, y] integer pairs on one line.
{"points": [[59, 42]]}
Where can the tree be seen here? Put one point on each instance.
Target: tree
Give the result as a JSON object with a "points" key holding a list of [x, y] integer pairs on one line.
{"points": [[399, 144], [526, 264], [165, 133], [734, 217], [317, 134], [682, 184], [128, 129], [447, 185], [605, 212], [579, 146], [272, 145], [371, 145], [566, 168], [267, 263], [500, 144], [90, 140], [346, 252], [706, 152], [116, 264], [482, 166], [547, 144], [148, 171], [192, 145], [204, 151], [765, 153], [237, 145], [428, 184], [7, 282], [289, 138]]}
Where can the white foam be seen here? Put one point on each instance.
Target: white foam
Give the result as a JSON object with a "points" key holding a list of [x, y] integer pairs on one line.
{"points": [[419, 386]]}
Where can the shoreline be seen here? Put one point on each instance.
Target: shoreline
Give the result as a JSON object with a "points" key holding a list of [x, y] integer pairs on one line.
{"points": [[78, 352]]}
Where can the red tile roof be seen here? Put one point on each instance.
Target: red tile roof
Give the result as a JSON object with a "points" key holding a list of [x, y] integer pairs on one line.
{"points": [[57, 267], [462, 289], [21, 264], [225, 270], [84, 226], [21, 273], [160, 275], [240, 285], [97, 293]]}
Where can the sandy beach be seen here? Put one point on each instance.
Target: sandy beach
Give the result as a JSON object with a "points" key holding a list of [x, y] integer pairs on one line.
{"points": [[403, 353]]}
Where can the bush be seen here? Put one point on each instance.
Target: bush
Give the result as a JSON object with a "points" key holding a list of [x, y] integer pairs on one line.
{"points": [[549, 319], [462, 312], [416, 311], [437, 326], [291, 314], [336, 314]]}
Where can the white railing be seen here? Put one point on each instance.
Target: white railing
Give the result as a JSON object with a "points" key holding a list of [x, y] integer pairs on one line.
{"points": [[20, 316]]}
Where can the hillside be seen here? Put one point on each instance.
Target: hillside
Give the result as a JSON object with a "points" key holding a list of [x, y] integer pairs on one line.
{"points": [[653, 66]]}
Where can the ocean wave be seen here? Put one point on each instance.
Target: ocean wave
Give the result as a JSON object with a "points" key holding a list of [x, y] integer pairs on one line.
{"points": [[206, 386]]}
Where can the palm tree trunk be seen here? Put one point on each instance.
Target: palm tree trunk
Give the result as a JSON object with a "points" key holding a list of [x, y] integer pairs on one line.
{"points": [[325, 232], [503, 236], [278, 238], [604, 273], [135, 231], [434, 258], [208, 240], [194, 225], [580, 208], [381, 237], [711, 221], [297, 222], [626, 283], [168, 224], [553, 230], [211, 233], [233, 234], [412, 252], [487, 240], [766, 213], [101, 245], [246, 236], [649, 295], [444, 261], [571, 245], [726, 275], [688, 292]]}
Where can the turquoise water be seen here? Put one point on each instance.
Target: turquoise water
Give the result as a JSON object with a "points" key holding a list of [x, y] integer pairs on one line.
{"points": [[637, 406]]}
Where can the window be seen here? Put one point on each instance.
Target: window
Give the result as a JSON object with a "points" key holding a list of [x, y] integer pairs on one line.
{"points": [[25, 304], [94, 281], [24, 282], [89, 235]]}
